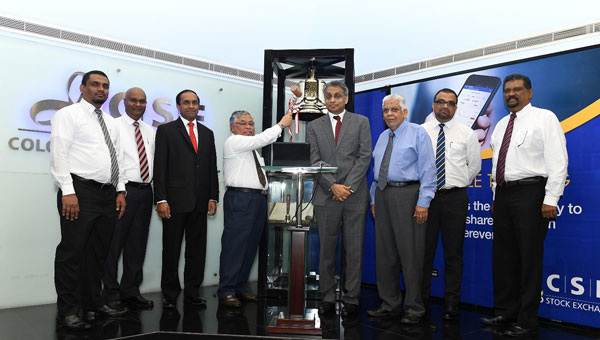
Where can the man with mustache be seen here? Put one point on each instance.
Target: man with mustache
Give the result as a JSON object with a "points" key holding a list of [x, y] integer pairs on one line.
{"points": [[131, 232], [529, 168], [186, 190], [244, 202], [404, 184], [458, 161], [86, 164]]}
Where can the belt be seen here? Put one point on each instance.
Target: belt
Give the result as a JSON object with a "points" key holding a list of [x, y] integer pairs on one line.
{"points": [[402, 184], [138, 185], [92, 182], [248, 190], [524, 181], [446, 191]]}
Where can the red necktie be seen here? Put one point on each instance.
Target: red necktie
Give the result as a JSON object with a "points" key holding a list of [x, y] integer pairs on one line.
{"points": [[338, 126], [144, 172], [193, 136], [504, 150]]}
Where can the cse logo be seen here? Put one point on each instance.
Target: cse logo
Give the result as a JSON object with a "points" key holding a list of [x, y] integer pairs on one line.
{"points": [[575, 285]]}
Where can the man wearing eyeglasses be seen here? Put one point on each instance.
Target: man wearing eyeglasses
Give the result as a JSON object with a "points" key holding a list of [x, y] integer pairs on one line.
{"points": [[245, 204], [458, 161], [341, 139], [529, 169], [404, 184]]}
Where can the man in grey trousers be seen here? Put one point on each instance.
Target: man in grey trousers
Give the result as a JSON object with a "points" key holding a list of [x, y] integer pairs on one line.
{"points": [[341, 139]]}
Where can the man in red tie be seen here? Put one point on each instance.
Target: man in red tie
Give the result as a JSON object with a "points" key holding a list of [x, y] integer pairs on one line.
{"points": [[186, 189], [529, 168]]}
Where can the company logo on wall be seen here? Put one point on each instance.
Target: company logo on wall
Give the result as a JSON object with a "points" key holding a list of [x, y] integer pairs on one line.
{"points": [[573, 292], [40, 111]]}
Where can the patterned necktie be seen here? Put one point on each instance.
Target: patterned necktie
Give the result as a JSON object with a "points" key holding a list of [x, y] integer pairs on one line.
{"points": [[193, 137], [385, 162], [504, 150], [144, 171], [440, 158], [259, 172], [338, 126], [114, 166]]}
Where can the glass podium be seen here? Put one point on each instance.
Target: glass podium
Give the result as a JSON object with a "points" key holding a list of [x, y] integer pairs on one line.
{"points": [[291, 262]]}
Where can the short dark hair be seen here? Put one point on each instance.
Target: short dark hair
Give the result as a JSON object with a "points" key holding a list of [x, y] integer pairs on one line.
{"points": [[445, 90], [516, 76], [337, 83], [178, 98], [88, 74]]}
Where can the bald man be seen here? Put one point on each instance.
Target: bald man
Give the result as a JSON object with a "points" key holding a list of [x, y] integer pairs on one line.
{"points": [[131, 232]]}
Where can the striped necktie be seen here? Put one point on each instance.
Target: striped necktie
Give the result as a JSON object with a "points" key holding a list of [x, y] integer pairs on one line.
{"points": [[440, 158], [114, 166], [504, 150], [144, 171]]}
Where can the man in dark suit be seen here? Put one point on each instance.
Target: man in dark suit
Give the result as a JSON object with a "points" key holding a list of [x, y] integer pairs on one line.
{"points": [[341, 139], [186, 189]]}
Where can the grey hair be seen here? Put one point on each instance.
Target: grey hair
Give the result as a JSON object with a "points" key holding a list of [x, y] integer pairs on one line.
{"points": [[337, 83], [236, 114], [397, 97]]}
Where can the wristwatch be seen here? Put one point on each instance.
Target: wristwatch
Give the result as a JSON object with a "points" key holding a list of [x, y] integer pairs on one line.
{"points": [[122, 192], [281, 126]]}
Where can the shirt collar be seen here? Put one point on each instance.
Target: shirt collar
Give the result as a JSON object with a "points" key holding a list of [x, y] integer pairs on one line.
{"points": [[129, 120], [341, 115], [185, 121], [447, 124], [88, 106], [524, 110]]}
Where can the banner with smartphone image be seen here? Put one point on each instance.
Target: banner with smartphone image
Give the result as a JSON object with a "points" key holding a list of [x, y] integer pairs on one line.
{"points": [[568, 84]]}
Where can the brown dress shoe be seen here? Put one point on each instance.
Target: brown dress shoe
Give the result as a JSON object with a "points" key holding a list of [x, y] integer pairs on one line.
{"points": [[246, 296], [230, 301]]}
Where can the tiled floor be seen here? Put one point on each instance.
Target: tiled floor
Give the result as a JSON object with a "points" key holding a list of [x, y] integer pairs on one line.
{"points": [[38, 323]]}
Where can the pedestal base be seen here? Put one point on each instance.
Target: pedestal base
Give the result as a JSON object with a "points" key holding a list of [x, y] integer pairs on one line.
{"points": [[295, 325]]}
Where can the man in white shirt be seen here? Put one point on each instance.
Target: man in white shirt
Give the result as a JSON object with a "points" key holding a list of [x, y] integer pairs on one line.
{"points": [[458, 161], [529, 168], [86, 164], [245, 204], [131, 232]]}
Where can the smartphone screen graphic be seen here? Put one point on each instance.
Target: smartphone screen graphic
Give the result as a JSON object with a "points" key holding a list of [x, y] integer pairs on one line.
{"points": [[474, 98]]}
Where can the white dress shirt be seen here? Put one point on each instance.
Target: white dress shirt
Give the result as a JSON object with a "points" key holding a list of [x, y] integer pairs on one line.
{"points": [[77, 146], [463, 152], [131, 159], [238, 162], [334, 122], [187, 128], [537, 148]]}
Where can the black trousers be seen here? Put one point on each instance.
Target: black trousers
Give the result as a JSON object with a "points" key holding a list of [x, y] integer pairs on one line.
{"points": [[447, 215], [130, 237], [80, 255], [193, 225], [518, 251]]}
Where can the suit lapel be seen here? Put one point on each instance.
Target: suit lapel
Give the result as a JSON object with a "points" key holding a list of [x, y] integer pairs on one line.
{"points": [[346, 122], [327, 131]]}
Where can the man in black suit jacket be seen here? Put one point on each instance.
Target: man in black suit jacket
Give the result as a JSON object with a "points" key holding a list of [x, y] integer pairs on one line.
{"points": [[186, 188]]}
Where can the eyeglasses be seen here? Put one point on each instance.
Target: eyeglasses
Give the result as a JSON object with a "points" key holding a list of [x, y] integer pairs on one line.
{"points": [[442, 102], [393, 109], [245, 123], [337, 96]]}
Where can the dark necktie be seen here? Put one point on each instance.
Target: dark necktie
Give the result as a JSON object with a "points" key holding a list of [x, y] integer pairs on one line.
{"points": [[338, 126], [114, 166], [259, 172], [440, 158], [385, 162], [144, 171], [193, 137], [504, 150]]}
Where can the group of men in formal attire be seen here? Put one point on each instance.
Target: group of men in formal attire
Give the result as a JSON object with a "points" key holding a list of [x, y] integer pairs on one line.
{"points": [[110, 172]]}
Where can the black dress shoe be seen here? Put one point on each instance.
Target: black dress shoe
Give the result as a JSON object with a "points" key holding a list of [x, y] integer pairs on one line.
{"points": [[450, 312], [246, 296], [73, 322], [497, 320], [169, 303], [113, 310], [138, 302], [194, 301], [349, 310], [521, 332], [326, 309], [381, 312], [410, 319]]}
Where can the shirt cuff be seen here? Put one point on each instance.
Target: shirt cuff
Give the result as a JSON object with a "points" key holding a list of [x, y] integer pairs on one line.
{"points": [[423, 202], [551, 200], [211, 200], [68, 189]]}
